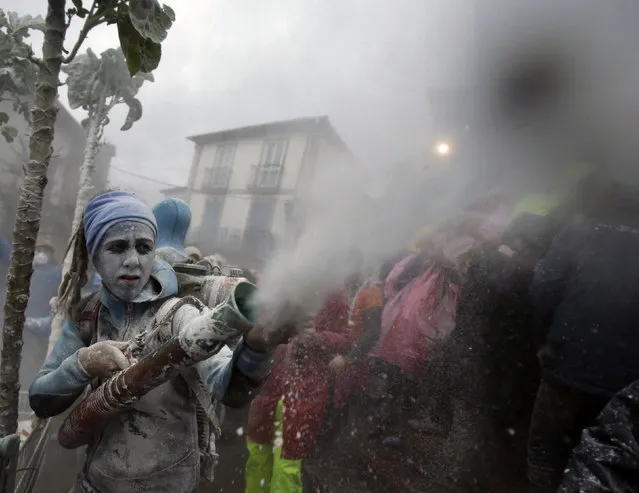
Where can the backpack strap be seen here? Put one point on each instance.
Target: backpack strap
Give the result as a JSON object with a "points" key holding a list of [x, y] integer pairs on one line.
{"points": [[207, 405], [85, 316], [208, 433], [204, 397]]}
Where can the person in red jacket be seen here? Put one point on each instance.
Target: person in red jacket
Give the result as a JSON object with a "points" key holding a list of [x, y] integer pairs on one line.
{"points": [[350, 369], [286, 419]]}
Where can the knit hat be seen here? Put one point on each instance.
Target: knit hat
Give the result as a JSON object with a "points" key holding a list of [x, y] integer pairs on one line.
{"points": [[112, 208]]}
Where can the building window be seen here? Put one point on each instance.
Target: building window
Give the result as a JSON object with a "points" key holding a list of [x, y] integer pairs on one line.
{"points": [[210, 227], [219, 175], [258, 241], [261, 215], [224, 155], [273, 152], [271, 164]]}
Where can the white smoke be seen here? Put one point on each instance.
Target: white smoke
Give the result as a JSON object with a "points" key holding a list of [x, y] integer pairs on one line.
{"points": [[553, 84]]}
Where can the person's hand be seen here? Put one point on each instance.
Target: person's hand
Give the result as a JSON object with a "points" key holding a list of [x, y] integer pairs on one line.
{"points": [[337, 364], [105, 358], [40, 325], [263, 339], [29, 324], [275, 328]]}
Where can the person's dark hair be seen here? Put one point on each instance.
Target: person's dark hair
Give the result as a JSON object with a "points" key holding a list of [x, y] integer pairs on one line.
{"points": [[77, 277], [70, 291]]}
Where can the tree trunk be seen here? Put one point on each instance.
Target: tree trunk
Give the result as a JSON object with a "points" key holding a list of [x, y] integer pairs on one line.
{"points": [[27, 222], [85, 192]]}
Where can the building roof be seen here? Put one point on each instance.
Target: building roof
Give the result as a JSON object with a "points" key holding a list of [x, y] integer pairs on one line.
{"points": [[319, 124], [66, 118]]}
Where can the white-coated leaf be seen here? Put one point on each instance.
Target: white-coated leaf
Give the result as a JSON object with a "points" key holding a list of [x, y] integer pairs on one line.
{"points": [[151, 19]]}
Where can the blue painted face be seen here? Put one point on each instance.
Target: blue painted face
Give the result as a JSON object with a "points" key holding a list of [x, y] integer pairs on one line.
{"points": [[124, 259]]}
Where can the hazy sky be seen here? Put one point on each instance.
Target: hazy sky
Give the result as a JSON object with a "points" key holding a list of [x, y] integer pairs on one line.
{"points": [[367, 64]]}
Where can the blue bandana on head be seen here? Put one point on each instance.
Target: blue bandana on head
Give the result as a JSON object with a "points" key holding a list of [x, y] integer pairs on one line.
{"points": [[109, 209]]}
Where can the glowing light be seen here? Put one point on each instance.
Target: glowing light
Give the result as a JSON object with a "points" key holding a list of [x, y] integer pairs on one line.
{"points": [[442, 148]]}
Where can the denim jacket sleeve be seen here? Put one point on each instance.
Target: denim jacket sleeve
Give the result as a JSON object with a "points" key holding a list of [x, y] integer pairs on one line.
{"points": [[231, 376], [234, 377], [61, 380]]}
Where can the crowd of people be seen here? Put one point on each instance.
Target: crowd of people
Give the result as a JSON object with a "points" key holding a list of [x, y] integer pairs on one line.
{"points": [[504, 334]]}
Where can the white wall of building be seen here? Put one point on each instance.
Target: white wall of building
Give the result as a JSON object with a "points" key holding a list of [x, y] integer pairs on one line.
{"points": [[247, 155], [239, 194], [197, 202], [236, 211], [304, 152]]}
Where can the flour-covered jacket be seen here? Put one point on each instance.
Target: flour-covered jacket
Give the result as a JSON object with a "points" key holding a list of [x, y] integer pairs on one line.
{"points": [[153, 445]]}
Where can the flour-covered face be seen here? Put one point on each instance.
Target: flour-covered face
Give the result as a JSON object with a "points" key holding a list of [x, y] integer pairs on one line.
{"points": [[124, 259]]}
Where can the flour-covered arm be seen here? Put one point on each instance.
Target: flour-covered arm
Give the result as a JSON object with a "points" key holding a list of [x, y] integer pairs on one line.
{"points": [[39, 325], [62, 379], [232, 377]]}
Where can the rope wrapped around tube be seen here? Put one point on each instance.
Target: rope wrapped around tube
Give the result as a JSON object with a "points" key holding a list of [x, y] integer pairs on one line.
{"points": [[120, 391], [94, 412]]}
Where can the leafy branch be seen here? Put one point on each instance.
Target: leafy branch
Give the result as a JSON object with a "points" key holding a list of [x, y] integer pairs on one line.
{"points": [[89, 23], [98, 84], [18, 66], [142, 26]]}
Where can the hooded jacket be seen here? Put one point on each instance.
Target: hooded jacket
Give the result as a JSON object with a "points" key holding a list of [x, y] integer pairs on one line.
{"points": [[173, 218], [607, 457], [301, 379], [5, 256], [152, 445], [585, 294], [44, 286]]}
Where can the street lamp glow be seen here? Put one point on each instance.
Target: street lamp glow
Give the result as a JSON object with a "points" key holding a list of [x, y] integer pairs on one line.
{"points": [[442, 148]]}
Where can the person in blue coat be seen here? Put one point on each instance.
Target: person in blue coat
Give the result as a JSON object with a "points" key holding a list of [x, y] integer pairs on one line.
{"points": [[45, 281], [152, 445], [5, 257]]}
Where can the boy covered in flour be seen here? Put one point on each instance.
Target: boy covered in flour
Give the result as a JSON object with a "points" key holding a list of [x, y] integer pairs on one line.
{"points": [[152, 446]]}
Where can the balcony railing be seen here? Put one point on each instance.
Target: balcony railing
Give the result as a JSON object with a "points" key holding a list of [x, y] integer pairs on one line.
{"points": [[266, 177], [217, 178]]}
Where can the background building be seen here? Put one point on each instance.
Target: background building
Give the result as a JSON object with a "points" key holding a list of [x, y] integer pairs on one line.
{"points": [[63, 175], [244, 183]]}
